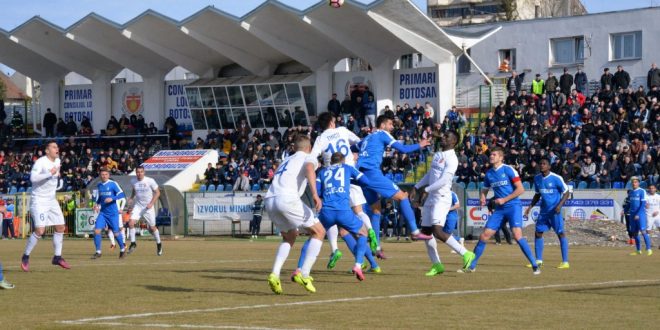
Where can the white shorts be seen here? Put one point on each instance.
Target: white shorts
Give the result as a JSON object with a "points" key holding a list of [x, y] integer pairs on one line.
{"points": [[357, 196], [46, 213], [435, 214], [140, 211], [289, 213], [654, 223]]}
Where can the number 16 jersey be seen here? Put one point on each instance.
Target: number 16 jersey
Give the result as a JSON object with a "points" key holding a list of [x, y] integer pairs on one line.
{"points": [[334, 140]]}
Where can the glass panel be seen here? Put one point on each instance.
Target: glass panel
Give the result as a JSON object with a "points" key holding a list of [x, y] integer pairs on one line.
{"points": [[207, 97], [235, 97], [193, 97], [263, 92], [628, 46], [221, 98], [239, 116], [638, 44], [293, 93], [250, 95], [254, 114], [278, 94], [563, 51], [270, 117], [212, 119], [618, 51], [226, 118], [310, 100], [579, 49], [299, 116], [285, 117], [198, 118]]}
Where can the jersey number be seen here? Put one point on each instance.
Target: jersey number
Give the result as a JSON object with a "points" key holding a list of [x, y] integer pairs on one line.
{"points": [[282, 168], [341, 146], [339, 176]]}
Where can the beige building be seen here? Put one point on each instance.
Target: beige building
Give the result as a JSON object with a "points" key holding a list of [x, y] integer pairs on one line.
{"points": [[466, 12]]}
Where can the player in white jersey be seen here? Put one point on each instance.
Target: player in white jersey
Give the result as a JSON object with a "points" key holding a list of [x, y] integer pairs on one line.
{"points": [[339, 139], [653, 208], [144, 197], [438, 181], [44, 208], [287, 211]]}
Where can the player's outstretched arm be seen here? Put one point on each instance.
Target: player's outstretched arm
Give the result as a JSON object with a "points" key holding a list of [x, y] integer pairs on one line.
{"points": [[405, 148]]}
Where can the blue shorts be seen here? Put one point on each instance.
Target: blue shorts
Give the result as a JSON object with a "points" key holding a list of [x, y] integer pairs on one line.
{"points": [[550, 220], [378, 185], [451, 224], [510, 212], [107, 220], [638, 225], [345, 219]]}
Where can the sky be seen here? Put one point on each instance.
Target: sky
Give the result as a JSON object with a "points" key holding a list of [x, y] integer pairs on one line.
{"points": [[64, 13]]}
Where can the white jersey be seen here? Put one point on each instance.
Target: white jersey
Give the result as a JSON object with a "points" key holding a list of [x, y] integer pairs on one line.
{"points": [[653, 205], [144, 190], [334, 140], [44, 184], [289, 179], [443, 166]]}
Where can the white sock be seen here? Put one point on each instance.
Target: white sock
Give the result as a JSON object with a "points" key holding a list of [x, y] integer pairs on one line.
{"points": [[313, 250], [365, 219], [332, 233], [31, 243], [57, 243], [132, 234], [111, 237], [156, 234], [280, 257], [432, 250], [455, 245]]}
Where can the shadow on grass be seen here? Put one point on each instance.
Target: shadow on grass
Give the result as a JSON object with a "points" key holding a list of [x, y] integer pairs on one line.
{"points": [[616, 290], [160, 288]]}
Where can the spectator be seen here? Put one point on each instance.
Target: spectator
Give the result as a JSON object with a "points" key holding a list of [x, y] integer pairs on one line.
{"points": [[334, 106], [566, 82], [8, 219], [538, 86], [581, 81], [621, 79], [514, 83], [50, 119], [257, 212], [653, 77], [71, 127], [606, 78]]}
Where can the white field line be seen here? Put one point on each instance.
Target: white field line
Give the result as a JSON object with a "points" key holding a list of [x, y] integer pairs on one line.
{"points": [[353, 299], [184, 326]]}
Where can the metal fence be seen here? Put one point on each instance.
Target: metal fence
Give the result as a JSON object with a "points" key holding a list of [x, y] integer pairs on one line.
{"points": [[23, 219]]}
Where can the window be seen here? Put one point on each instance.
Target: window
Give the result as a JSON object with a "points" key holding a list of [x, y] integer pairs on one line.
{"points": [[507, 60], [486, 9], [567, 50], [406, 62], [463, 63], [626, 45]]}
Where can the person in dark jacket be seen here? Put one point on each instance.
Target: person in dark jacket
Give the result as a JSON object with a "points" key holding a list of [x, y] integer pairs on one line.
{"points": [[606, 78], [50, 119], [334, 106], [581, 81], [514, 83], [566, 83], [653, 77], [621, 79]]}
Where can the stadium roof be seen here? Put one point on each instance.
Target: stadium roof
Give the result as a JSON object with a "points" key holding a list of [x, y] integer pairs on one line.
{"points": [[211, 39]]}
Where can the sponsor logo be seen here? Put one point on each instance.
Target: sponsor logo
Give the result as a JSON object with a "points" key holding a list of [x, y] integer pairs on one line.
{"points": [[132, 101]]}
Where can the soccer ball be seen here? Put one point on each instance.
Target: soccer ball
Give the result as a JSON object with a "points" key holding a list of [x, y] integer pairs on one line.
{"points": [[335, 3], [86, 235]]}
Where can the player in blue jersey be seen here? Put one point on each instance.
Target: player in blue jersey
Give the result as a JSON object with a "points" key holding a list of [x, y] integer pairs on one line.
{"points": [[371, 157], [106, 204], [333, 184], [553, 193], [638, 221], [507, 186], [451, 225]]}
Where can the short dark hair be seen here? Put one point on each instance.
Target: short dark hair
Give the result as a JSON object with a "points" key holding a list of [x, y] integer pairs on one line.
{"points": [[324, 120], [545, 159], [142, 167], [48, 143], [497, 149], [381, 119], [104, 169], [336, 158], [454, 134]]}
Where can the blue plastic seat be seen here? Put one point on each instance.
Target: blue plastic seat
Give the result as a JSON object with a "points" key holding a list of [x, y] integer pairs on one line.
{"points": [[472, 186], [202, 188], [582, 185], [256, 187], [398, 177], [229, 187], [21, 189], [211, 188], [13, 190], [629, 185], [220, 188], [618, 185], [593, 185], [642, 184], [526, 185]]}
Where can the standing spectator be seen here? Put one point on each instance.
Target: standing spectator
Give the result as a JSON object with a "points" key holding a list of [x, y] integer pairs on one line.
{"points": [[538, 85], [346, 108], [621, 79], [581, 81], [566, 82], [606, 78], [334, 106], [71, 127], [551, 85], [653, 77], [257, 212], [370, 111], [50, 119], [8, 219], [514, 83]]}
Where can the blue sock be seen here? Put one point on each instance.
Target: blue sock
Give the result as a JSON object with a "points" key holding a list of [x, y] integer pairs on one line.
{"points": [[563, 243], [638, 243], [97, 241], [408, 214], [538, 248], [527, 251], [360, 249], [375, 224], [371, 259], [647, 240], [303, 253], [120, 241], [478, 251], [350, 242], [2, 277]]}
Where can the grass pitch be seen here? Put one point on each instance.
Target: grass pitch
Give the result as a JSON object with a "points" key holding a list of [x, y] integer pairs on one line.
{"points": [[221, 284]]}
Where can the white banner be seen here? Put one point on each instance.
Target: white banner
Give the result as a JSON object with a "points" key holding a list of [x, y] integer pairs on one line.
{"points": [[223, 208], [77, 101], [128, 99], [416, 86], [85, 221], [176, 103]]}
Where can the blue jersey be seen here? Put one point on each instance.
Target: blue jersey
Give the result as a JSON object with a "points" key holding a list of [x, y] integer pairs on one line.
{"points": [[334, 185], [109, 189], [551, 188], [373, 147], [502, 180], [637, 202], [453, 214]]}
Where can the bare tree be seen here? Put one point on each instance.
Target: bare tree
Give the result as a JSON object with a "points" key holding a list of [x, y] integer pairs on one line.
{"points": [[510, 9]]}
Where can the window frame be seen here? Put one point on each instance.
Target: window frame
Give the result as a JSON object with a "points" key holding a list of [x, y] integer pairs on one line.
{"points": [[637, 44], [575, 50]]}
